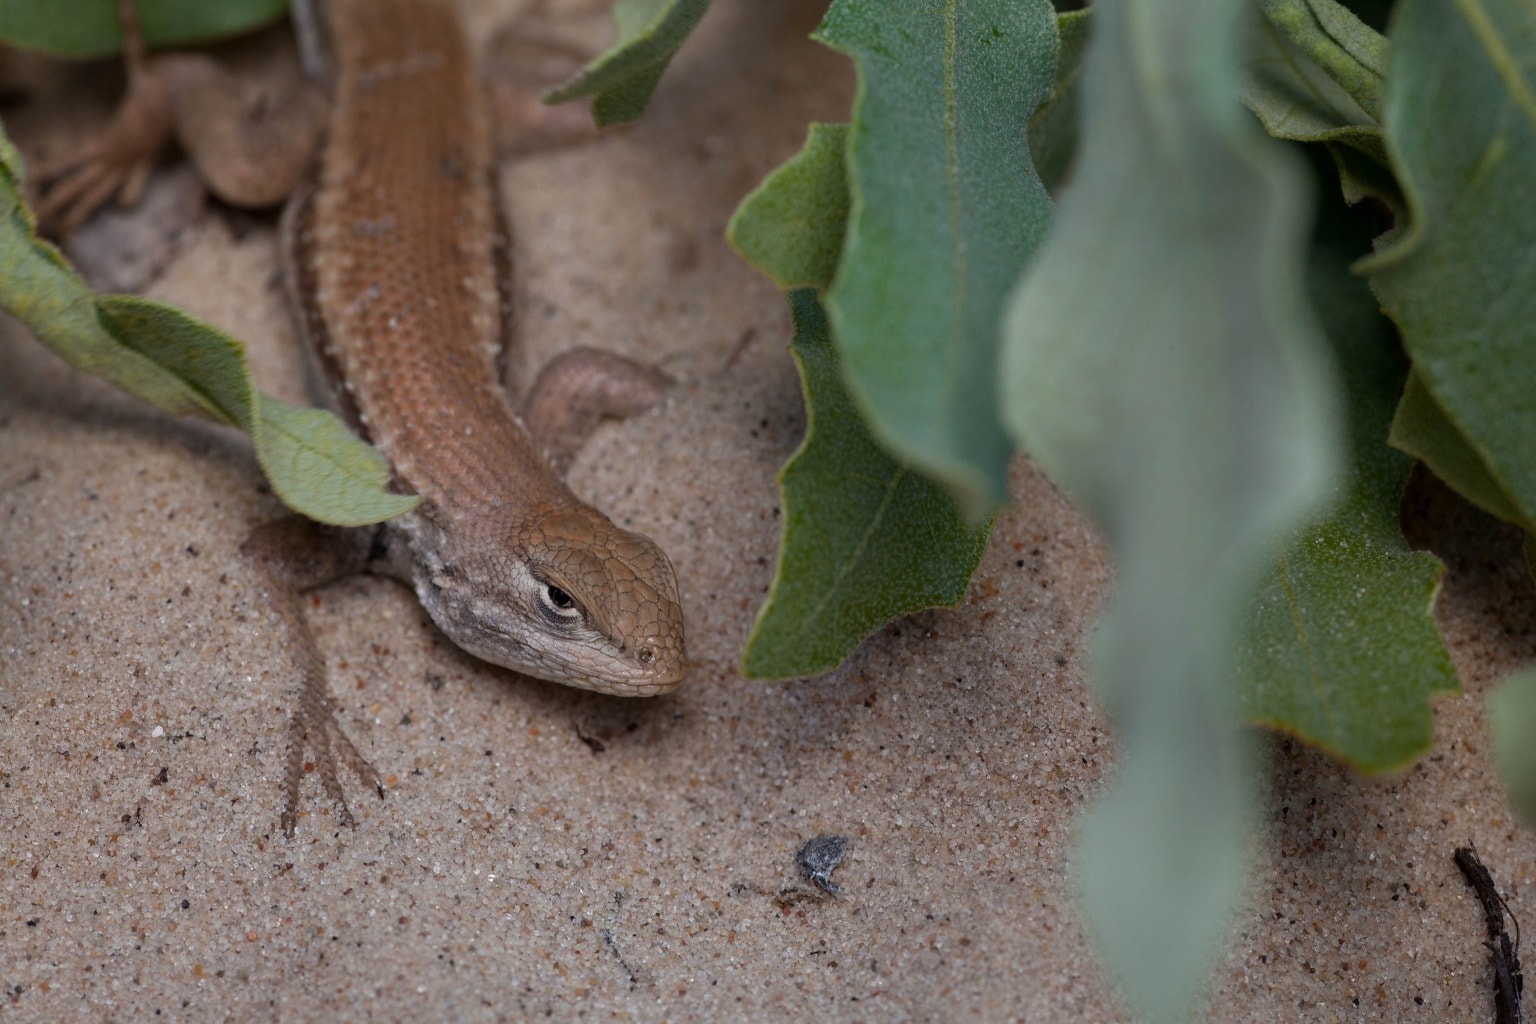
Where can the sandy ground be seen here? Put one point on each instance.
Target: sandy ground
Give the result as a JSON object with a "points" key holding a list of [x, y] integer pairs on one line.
{"points": [[554, 854]]}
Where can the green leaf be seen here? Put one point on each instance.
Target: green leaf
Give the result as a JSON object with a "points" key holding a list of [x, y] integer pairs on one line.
{"points": [[1422, 429], [1302, 83], [791, 227], [1512, 722], [1161, 364], [621, 81], [186, 368], [1053, 129], [1459, 280], [865, 538], [947, 209], [1352, 54], [314, 463], [1362, 176], [1297, 99], [1342, 648], [89, 28]]}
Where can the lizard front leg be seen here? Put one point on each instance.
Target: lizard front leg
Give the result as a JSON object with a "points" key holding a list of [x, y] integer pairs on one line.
{"points": [[577, 389], [291, 556]]}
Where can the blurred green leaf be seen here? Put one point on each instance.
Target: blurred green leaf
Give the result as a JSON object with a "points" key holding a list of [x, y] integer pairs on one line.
{"points": [[1342, 648], [865, 539], [89, 28], [791, 227], [946, 211], [622, 80], [184, 367], [1512, 722], [1160, 363], [1458, 278]]}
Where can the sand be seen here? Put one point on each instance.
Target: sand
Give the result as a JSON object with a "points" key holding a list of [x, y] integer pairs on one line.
{"points": [[546, 853]]}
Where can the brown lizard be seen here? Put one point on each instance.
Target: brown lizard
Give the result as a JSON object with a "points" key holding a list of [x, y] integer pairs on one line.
{"points": [[396, 266]]}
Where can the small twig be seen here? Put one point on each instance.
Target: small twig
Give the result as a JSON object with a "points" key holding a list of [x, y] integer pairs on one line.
{"points": [[1508, 984]]}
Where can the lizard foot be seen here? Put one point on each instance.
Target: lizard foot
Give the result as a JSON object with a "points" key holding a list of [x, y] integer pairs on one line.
{"points": [[250, 142], [290, 556], [119, 161], [313, 728]]}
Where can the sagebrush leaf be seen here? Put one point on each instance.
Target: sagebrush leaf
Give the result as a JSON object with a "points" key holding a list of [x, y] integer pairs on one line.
{"points": [[846, 561], [622, 79], [1341, 645], [1292, 75], [865, 539], [185, 367], [1161, 364], [89, 28], [947, 209], [1421, 429], [1458, 278], [1337, 42], [1053, 128], [791, 227], [1512, 722]]}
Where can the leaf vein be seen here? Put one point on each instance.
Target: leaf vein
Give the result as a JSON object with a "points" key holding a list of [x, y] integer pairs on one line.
{"points": [[856, 555], [956, 345], [1293, 603], [1499, 56]]}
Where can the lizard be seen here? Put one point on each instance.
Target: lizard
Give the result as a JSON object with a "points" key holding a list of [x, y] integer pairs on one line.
{"points": [[396, 266]]}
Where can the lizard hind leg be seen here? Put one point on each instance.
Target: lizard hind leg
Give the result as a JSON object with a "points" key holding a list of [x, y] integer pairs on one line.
{"points": [[293, 555]]}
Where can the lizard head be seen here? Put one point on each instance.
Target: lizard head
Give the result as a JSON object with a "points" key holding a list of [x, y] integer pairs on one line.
{"points": [[573, 599]]}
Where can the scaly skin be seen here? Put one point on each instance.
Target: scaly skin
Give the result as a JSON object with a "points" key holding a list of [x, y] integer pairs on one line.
{"points": [[397, 262]]}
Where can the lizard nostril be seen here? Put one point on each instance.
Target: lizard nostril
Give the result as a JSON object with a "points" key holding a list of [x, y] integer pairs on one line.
{"points": [[647, 655]]}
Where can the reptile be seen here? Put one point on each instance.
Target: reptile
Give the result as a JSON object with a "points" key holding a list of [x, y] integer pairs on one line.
{"points": [[396, 266]]}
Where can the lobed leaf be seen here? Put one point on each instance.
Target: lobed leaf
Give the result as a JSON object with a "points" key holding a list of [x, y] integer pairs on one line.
{"points": [[791, 227], [865, 539], [1161, 363], [1341, 645], [1421, 429], [947, 209], [1458, 279], [622, 80], [89, 28], [1297, 99], [186, 368]]}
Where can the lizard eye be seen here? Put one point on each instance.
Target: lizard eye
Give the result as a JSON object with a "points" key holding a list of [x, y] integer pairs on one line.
{"points": [[558, 604]]}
